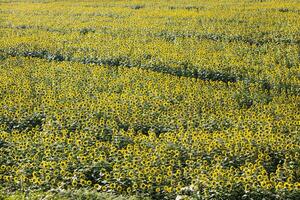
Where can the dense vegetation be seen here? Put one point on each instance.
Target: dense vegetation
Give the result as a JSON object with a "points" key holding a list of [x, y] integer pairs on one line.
{"points": [[150, 99]]}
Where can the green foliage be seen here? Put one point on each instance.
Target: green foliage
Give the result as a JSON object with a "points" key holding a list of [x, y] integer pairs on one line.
{"points": [[68, 195]]}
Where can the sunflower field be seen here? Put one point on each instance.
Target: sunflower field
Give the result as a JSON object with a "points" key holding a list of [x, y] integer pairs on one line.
{"points": [[158, 99]]}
